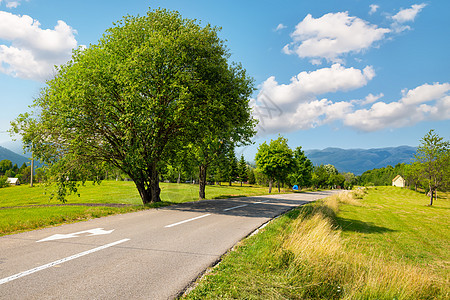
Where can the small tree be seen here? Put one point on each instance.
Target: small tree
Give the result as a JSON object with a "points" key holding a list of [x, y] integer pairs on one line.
{"points": [[434, 158], [302, 169], [251, 176], [242, 170], [320, 177], [275, 160]]}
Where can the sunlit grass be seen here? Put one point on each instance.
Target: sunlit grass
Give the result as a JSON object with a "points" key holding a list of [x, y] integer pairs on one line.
{"points": [[342, 248], [25, 208]]}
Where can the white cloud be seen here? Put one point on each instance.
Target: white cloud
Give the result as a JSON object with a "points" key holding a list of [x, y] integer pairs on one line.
{"points": [[33, 51], [425, 102], [280, 27], [294, 106], [368, 99], [373, 8], [332, 36], [406, 15], [11, 3]]}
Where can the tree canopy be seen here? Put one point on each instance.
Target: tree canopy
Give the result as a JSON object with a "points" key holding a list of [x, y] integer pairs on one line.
{"points": [[275, 160], [433, 154], [151, 84]]}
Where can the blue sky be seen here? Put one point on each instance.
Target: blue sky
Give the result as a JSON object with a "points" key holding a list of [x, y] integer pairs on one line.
{"points": [[348, 73]]}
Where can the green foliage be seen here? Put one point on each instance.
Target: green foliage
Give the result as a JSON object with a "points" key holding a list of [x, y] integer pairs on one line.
{"points": [[5, 165], [301, 174], [382, 176], [251, 176], [433, 156], [242, 170], [149, 87], [275, 160], [320, 177], [3, 182]]}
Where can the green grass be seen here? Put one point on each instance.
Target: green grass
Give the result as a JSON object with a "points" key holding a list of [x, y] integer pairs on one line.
{"points": [[24, 208], [386, 244]]}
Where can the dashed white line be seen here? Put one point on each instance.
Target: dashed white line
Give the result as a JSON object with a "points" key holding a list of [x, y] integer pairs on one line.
{"points": [[261, 202], [235, 207], [185, 221], [202, 216], [57, 262]]}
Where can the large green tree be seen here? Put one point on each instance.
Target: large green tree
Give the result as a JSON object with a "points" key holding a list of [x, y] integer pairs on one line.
{"points": [[275, 160], [433, 154], [131, 100]]}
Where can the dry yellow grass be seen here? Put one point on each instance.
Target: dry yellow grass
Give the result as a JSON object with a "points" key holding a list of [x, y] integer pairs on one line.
{"points": [[316, 243]]}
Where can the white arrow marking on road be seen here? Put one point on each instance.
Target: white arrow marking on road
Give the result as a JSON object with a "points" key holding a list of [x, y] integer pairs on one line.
{"points": [[95, 231], [60, 261]]}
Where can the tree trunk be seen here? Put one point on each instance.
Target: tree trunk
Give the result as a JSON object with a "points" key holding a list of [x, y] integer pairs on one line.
{"points": [[149, 189], [179, 177], [143, 192], [278, 185], [154, 185], [431, 198], [202, 182], [270, 185], [241, 183]]}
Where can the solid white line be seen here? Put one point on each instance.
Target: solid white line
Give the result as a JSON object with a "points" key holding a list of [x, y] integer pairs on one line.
{"points": [[185, 221], [235, 207], [57, 262]]}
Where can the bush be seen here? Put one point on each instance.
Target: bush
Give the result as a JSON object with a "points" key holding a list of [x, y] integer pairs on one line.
{"points": [[3, 182]]}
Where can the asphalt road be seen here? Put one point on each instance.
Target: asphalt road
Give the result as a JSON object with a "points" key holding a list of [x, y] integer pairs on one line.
{"points": [[153, 254]]}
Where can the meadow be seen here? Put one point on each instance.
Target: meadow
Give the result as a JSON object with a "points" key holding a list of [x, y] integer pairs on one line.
{"points": [[377, 243], [25, 208]]}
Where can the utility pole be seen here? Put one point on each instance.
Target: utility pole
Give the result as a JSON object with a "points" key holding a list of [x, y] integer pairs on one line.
{"points": [[32, 169]]}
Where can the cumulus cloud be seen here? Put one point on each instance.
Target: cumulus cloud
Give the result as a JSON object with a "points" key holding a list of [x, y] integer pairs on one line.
{"points": [[297, 106], [332, 36], [425, 102], [408, 14], [294, 106], [404, 16], [32, 51], [373, 9]]}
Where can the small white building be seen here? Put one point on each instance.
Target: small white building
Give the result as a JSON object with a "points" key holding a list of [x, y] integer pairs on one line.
{"points": [[398, 181], [13, 181]]}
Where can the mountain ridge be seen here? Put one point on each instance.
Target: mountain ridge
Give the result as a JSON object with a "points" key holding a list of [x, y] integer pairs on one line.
{"points": [[359, 160], [15, 158]]}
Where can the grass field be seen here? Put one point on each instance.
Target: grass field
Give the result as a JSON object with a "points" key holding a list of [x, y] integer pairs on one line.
{"points": [[24, 208], [386, 244]]}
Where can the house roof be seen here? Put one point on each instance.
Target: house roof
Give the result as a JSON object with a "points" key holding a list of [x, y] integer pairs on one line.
{"points": [[397, 177], [12, 180]]}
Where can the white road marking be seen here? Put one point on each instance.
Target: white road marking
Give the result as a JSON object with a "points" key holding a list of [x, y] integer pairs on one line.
{"points": [[235, 207], [57, 262], [185, 221], [261, 202], [95, 231]]}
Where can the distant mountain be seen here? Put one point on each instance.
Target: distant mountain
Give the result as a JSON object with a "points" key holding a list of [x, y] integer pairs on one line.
{"points": [[358, 161], [13, 157]]}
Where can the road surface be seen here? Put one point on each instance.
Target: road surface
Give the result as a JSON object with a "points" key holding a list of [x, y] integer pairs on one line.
{"points": [[152, 254]]}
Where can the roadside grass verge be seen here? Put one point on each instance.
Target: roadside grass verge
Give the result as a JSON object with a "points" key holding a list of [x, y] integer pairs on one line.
{"points": [[348, 246], [23, 208]]}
